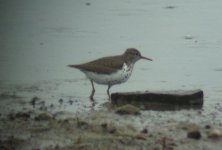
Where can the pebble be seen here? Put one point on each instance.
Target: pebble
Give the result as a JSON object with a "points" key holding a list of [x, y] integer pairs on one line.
{"points": [[104, 125], [141, 136], [170, 7], [194, 133], [207, 127], [215, 134], [70, 102], [88, 3], [44, 116], [144, 131], [60, 101], [11, 116], [82, 124], [24, 115], [111, 128], [188, 37], [128, 110]]}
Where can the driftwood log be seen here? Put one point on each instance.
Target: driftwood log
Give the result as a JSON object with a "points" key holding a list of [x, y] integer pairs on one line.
{"points": [[160, 100]]}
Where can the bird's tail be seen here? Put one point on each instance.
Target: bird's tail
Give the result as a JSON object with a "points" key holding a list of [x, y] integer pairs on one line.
{"points": [[72, 66]]}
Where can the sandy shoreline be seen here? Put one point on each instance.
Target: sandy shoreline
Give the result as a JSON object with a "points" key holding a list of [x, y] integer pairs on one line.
{"points": [[51, 125], [100, 130]]}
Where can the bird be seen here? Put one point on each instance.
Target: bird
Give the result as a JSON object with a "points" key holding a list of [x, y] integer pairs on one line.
{"points": [[110, 70]]}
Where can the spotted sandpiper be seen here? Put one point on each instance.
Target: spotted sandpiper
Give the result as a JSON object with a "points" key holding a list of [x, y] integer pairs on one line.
{"points": [[110, 70]]}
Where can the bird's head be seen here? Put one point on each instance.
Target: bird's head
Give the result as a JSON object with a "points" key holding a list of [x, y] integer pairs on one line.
{"points": [[133, 55]]}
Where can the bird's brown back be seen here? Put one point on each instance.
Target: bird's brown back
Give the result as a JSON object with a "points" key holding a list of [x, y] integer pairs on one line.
{"points": [[103, 65]]}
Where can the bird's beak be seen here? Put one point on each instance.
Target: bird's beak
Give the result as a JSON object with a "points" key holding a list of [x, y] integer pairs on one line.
{"points": [[142, 57]]}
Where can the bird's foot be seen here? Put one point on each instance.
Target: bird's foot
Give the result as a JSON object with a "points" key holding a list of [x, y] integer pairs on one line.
{"points": [[109, 97], [91, 98]]}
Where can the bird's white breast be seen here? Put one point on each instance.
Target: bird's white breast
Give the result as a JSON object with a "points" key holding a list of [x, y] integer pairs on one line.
{"points": [[117, 77]]}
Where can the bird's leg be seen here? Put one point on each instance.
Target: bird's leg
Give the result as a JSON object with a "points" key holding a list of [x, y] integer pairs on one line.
{"points": [[93, 91], [109, 86]]}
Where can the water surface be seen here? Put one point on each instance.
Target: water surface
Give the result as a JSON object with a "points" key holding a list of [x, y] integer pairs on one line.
{"points": [[39, 38]]}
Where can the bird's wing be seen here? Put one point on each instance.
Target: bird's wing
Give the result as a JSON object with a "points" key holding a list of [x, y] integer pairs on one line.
{"points": [[102, 65]]}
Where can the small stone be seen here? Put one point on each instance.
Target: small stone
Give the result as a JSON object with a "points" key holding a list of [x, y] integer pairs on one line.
{"points": [[24, 115], [144, 131], [104, 125], [215, 134], [88, 3], [11, 116], [112, 130], [207, 127], [70, 102], [43, 117], [188, 37], [128, 110], [60, 101], [170, 7], [51, 106], [81, 124], [194, 133], [141, 136], [167, 142]]}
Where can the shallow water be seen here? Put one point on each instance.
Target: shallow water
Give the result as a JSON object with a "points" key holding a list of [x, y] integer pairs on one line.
{"points": [[39, 38]]}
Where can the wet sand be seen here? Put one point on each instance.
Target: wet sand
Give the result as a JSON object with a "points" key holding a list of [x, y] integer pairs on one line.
{"points": [[33, 117]]}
